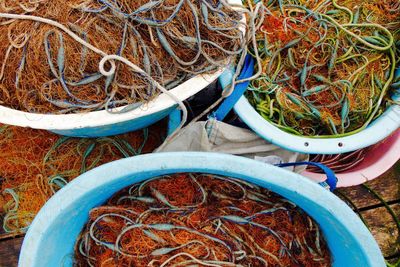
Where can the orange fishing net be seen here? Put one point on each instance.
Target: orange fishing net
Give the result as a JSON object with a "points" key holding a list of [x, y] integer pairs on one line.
{"points": [[44, 69], [199, 220], [35, 164]]}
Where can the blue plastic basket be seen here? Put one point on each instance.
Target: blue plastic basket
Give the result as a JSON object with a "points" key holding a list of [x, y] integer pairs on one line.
{"points": [[103, 123], [377, 131], [52, 235]]}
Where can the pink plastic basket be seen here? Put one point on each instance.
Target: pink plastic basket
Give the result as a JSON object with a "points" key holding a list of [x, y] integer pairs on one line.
{"points": [[379, 159]]}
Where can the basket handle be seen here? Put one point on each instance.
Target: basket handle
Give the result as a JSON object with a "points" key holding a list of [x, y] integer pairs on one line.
{"points": [[174, 120], [240, 88], [331, 179]]}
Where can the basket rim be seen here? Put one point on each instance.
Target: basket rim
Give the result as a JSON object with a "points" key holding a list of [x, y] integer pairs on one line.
{"points": [[102, 117], [378, 130]]}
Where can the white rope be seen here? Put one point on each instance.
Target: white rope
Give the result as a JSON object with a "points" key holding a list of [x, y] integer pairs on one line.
{"points": [[106, 58], [112, 58]]}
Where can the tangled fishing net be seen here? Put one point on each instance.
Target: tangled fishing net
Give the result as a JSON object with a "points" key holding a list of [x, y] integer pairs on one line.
{"points": [[36, 164], [61, 56], [199, 220], [327, 66], [350, 161], [339, 163]]}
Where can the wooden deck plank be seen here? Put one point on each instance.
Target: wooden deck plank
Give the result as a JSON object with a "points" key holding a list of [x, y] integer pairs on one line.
{"points": [[4, 235], [9, 252], [384, 229], [378, 219], [388, 186]]}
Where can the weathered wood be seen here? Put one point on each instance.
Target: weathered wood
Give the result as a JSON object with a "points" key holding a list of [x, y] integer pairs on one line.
{"points": [[378, 219], [4, 235], [9, 252], [11, 236], [384, 229], [388, 186]]}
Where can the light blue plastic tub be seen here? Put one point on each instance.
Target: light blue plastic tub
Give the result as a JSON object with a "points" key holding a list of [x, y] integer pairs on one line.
{"points": [[381, 128], [51, 237]]}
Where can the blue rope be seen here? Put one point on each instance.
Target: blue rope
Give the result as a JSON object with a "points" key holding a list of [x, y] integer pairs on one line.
{"points": [[331, 179]]}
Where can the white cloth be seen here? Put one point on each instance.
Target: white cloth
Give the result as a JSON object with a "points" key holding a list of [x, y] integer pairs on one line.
{"points": [[216, 136]]}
